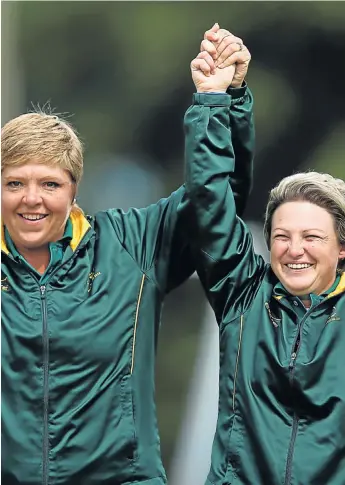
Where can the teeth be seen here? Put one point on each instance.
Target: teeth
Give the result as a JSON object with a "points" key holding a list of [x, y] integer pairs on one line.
{"points": [[33, 217], [299, 266]]}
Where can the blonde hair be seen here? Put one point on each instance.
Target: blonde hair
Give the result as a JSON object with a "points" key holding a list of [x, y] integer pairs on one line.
{"points": [[317, 188], [45, 138]]}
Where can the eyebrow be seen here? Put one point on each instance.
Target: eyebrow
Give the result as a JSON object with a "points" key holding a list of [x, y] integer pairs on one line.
{"points": [[45, 177], [304, 230]]}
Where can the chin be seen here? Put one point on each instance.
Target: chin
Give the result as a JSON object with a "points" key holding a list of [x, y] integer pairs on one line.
{"points": [[300, 289], [35, 244]]}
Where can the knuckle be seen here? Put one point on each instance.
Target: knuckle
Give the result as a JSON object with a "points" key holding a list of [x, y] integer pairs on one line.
{"points": [[229, 39], [224, 32]]}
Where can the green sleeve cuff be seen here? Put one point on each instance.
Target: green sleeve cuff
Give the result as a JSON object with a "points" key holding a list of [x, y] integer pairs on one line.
{"points": [[237, 93], [211, 99]]}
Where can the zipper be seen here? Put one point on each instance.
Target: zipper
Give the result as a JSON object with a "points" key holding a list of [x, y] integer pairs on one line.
{"points": [[294, 353], [45, 337], [293, 357], [291, 450]]}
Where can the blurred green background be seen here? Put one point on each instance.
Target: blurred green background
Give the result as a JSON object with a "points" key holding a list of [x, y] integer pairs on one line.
{"points": [[122, 70]]}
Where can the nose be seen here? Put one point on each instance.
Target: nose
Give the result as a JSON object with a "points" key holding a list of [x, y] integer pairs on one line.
{"points": [[32, 196], [296, 248]]}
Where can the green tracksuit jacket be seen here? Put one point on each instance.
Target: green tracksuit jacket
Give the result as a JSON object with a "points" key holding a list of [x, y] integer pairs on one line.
{"points": [[282, 374], [78, 352]]}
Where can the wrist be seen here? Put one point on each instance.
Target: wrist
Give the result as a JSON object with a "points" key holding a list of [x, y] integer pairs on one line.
{"points": [[237, 84], [211, 90]]}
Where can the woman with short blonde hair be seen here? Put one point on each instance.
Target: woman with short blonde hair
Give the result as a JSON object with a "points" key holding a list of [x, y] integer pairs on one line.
{"points": [[317, 188], [281, 413], [81, 303]]}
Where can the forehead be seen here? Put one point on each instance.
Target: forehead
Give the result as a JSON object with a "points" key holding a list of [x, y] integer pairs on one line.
{"points": [[302, 216], [33, 170]]}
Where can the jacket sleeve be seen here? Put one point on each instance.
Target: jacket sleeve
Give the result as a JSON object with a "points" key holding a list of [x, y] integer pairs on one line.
{"points": [[242, 137], [156, 236], [223, 248]]}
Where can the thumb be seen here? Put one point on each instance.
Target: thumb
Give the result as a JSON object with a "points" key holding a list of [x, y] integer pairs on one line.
{"points": [[215, 28], [212, 33]]}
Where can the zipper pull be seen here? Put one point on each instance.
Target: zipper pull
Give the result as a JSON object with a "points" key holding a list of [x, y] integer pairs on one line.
{"points": [[43, 291], [292, 359]]}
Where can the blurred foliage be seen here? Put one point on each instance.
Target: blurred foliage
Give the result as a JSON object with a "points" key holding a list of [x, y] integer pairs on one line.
{"points": [[122, 68]]}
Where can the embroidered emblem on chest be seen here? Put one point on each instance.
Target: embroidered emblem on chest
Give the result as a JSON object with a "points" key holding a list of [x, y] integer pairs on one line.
{"points": [[334, 317], [92, 276], [4, 284]]}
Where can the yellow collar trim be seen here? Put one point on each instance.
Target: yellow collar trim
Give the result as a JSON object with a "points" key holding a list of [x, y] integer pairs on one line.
{"points": [[3, 241], [80, 227], [340, 288]]}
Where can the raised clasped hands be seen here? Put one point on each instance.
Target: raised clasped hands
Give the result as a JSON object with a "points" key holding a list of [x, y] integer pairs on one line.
{"points": [[222, 62]]}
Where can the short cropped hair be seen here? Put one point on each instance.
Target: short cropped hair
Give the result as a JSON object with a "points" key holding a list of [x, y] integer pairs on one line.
{"points": [[44, 138], [317, 188]]}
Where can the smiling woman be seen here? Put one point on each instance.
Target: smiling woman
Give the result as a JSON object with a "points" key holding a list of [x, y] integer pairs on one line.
{"points": [[282, 325], [37, 200], [81, 305], [305, 232], [42, 164]]}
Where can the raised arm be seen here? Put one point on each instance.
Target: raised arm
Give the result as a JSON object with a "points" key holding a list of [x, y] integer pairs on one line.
{"points": [[224, 254], [156, 236]]}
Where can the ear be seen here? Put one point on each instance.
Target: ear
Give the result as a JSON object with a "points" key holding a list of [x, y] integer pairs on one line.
{"points": [[342, 252], [74, 199]]}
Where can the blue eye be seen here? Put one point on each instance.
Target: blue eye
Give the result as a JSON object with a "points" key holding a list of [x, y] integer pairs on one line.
{"points": [[52, 185], [14, 184]]}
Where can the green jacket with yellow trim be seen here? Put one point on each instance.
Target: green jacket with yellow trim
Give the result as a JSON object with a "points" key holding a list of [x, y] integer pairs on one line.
{"points": [[78, 351], [282, 374]]}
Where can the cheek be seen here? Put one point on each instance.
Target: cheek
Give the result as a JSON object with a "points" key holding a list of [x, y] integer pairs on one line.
{"points": [[315, 249], [9, 202], [59, 206], [278, 248]]}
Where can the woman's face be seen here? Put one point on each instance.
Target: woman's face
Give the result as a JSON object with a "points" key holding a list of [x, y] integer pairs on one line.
{"points": [[305, 250], [36, 202]]}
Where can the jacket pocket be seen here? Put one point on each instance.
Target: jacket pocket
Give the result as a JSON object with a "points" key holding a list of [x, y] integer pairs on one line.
{"points": [[128, 420]]}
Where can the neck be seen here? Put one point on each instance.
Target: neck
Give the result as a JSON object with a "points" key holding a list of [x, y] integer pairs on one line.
{"points": [[306, 303], [37, 258]]}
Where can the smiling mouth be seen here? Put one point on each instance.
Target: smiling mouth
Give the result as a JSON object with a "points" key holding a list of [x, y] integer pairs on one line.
{"points": [[299, 266], [33, 217]]}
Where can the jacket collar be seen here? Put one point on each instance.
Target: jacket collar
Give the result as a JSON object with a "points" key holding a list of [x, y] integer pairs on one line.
{"points": [[340, 288]]}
